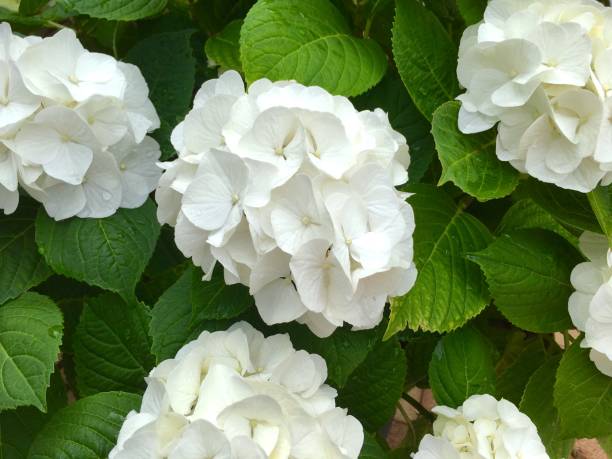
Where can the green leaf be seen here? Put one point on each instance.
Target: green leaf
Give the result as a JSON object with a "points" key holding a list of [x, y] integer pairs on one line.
{"points": [[526, 214], [111, 347], [21, 266], [310, 42], [425, 55], [31, 7], [224, 48], [528, 273], [374, 388], [56, 12], [538, 404], [512, 381], [469, 161], [390, 95], [110, 253], [167, 63], [191, 306], [601, 203], [30, 336], [19, 427], [472, 11], [606, 444], [419, 347], [570, 208], [85, 430], [122, 10], [449, 289], [583, 396], [371, 448], [343, 351], [461, 366]]}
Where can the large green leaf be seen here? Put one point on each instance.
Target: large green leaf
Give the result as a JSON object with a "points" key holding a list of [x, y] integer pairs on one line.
{"points": [[167, 63], [526, 214], [469, 161], [111, 346], [191, 306], [122, 10], [601, 203], [85, 430], [425, 56], [19, 427], [512, 380], [110, 253], [449, 289], [224, 48], [30, 337], [310, 42], [374, 388], [570, 208], [461, 366], [528, 272], [21, 266], [583, 396], [371, 448], [390, 95], [30, 7], [538, 404]]}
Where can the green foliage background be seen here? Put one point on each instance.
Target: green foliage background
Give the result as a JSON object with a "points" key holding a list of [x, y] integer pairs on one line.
{"points": [[88, 307]]}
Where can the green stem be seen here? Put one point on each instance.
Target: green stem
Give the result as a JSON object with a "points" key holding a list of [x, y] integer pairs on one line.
{"points": [[420, 408]]}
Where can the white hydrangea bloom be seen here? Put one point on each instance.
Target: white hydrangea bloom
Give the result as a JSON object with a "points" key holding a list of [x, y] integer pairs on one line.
{"points": [[590, 306], [236, 394], [73, 128], [542, 71], [482, 428], [292, 191]]}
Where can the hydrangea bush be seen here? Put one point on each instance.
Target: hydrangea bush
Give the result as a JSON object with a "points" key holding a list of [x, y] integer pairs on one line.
{"points": [[291, 229]]}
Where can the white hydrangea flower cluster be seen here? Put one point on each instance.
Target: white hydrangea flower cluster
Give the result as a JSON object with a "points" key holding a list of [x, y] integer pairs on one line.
{"points": [[293, 191], [590, 306], [237, 395], [482, 428], [543, 70], [73, 128]]}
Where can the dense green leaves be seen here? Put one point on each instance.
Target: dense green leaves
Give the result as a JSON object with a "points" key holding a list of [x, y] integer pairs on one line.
{"points": [[528, 273], [425, 56], [21, 266], [538, 404], [309, 42], [167, 63], [469, 161], [123, 10], [371, 449], [583, 396], [19, 427], [85, 430], [111, 346], [224, 48], [192, 305], [449, 289], [461, 366], [373, 389], [30, 336], [110, 253]]}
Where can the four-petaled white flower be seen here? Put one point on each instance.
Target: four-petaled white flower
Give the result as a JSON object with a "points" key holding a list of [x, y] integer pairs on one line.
{"points": [[236, 394], [590, 306], [73, 128], [292, 191], [542, 71], [482, 428]]}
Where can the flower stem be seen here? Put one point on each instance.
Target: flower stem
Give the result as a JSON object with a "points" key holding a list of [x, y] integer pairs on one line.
{"points": [[420, 408]]}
